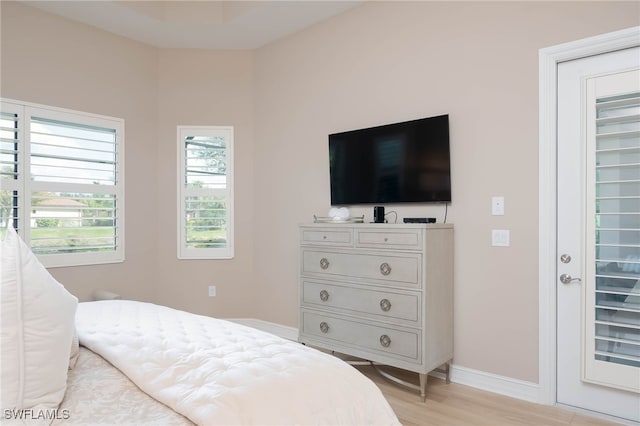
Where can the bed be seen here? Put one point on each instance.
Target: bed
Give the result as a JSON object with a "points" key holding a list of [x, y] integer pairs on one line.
{"points": [[127, 362]]}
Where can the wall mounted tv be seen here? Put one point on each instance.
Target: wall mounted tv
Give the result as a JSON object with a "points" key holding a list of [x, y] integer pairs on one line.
{"points": [[406, 162]]}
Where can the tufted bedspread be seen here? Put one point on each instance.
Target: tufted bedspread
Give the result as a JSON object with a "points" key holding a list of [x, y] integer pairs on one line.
{"points": [[100, 395], [216, 372]]}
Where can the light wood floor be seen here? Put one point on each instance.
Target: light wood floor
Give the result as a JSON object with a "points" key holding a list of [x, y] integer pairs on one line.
{"points": [[457, 405]]}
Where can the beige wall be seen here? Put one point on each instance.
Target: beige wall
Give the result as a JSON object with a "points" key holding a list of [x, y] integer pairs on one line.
{"points": [[53, 61], [70, 65], [379, 63], [392, 61], [198, 87]]}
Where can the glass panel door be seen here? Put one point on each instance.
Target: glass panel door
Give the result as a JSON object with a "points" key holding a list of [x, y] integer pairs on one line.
{"points": [[612, 284]]}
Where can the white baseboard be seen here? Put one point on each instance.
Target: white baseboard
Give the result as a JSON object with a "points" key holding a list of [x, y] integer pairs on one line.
{"points": [[502, 385]]}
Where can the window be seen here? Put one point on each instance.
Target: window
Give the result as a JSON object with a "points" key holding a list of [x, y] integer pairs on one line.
{"points": [[62, 183], [205, 192]]}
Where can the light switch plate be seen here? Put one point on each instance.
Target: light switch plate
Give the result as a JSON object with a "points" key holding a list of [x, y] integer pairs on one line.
{"points": [[500, 237], [497, 206]]}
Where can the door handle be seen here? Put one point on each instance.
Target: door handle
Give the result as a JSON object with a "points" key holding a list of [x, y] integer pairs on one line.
{"points": [[568, 279]]}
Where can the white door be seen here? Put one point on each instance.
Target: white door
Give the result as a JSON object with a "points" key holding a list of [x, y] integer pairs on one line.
{"points": [[598, 266]]}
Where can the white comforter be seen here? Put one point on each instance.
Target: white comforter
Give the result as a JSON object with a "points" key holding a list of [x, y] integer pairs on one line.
{"points": [[216, 372]]}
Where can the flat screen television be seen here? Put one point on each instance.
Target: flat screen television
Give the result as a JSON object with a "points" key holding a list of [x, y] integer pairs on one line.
{"points": [[406, 162]]}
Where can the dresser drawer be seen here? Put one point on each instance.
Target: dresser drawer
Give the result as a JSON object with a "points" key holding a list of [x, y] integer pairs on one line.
{"points": [[402, 270], [361, 300], [390, 341], [397, 239], [327, 236]]}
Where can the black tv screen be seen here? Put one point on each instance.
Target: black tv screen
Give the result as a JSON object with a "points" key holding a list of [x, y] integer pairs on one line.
{"points": [[406, 162]]}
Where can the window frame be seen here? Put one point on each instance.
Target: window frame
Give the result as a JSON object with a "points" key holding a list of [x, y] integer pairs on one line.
{"points": [[25, 186], [184, 252]]}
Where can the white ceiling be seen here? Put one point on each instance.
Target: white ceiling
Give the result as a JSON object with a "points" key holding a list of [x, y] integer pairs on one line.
{"points": [[201, 24]]}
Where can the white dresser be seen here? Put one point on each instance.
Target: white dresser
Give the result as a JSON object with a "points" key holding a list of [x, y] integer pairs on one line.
{"points": [[379, 292]]}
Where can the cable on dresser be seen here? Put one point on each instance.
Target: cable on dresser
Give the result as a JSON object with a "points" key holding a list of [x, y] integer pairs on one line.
{"points": [[395, 213]]}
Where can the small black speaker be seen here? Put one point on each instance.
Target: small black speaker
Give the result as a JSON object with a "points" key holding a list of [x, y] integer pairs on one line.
{"points": [[378, 214]]}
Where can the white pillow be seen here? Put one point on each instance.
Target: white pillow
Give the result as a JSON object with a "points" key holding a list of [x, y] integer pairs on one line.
{"points": [[74, 353], [38, 321]]}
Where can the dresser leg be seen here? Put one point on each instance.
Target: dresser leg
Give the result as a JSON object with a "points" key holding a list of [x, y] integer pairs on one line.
{"points": [[423, 386]]}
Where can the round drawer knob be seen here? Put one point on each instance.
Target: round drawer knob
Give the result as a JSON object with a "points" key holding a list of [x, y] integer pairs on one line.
{"points": [[324, 327], [385, 340], [385, 305], [385, 269], [324, 263], [324, 295]]}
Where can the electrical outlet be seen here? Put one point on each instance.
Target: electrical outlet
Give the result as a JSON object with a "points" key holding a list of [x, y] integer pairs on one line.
{"points": [[212, 291]]}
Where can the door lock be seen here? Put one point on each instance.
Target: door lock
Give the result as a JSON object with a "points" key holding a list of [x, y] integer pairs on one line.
{"points": [[568, 279], [565, 258]]}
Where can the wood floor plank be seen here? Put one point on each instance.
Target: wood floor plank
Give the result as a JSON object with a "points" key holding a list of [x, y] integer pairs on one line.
{"points": [[454, 404]]}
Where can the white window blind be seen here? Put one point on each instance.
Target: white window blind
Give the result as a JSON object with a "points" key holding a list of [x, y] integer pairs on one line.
{"points": [[205, 192], [11, 150], [617, 156], [611, 285], [66, 169]]}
